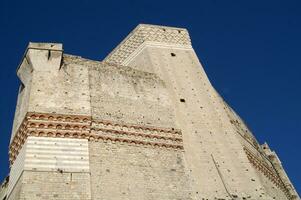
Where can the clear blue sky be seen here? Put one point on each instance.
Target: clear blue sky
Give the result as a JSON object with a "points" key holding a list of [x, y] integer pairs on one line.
{"points": [[250, 51]]}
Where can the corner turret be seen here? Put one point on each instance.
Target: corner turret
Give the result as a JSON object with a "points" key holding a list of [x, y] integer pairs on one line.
{"points": [[40, 57]]}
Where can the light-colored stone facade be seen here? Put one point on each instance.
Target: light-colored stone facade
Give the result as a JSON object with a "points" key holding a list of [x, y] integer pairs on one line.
{"points": [[145, 123]]}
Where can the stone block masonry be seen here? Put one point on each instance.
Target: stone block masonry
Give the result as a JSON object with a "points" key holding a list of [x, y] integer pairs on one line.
{"points": [[144, 124]]}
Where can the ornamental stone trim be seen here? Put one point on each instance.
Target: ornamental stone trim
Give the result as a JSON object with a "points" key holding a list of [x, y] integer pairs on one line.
{"points": [[151, 34], [268, 171], [83, 127]]}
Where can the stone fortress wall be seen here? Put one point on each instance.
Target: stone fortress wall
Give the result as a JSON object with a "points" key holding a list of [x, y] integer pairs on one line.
{"points": [[145, 123]]}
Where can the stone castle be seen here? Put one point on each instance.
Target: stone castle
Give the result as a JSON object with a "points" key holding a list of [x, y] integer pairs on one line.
{"points": [[143, 124]]}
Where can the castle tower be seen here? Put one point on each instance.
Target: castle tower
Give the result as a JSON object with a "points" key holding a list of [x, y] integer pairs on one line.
{"points": [[145, 123]]}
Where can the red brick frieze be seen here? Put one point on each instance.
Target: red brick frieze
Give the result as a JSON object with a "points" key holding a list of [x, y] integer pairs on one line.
{"points": [[79, 126]]}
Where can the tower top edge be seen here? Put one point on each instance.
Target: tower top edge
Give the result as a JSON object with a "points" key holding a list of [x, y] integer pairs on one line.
{"points": [[49, 46], [45, 46], [154, 26], [147, 33]]}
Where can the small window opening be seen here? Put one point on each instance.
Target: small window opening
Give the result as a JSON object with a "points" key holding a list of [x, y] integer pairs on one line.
{"points": [[49, 54], [182, 100], [173, 54], [22, 86]]}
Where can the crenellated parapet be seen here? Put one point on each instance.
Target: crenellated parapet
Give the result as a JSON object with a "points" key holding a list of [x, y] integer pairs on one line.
{"points": [[40, 57], [150, 35]]}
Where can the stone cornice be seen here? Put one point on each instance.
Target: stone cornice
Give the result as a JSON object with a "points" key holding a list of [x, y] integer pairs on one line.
{"points": [[77, 126], [152, 35]]}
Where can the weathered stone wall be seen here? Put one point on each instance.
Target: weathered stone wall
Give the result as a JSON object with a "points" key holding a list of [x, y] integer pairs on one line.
{"points": [[214, 149], [3, 189], [148, 121], [49, 86], [21, 107], [62, 157], [53, 185], [210, 149], [65, 91], [211, 143], [16, 169], [142, 61], [127, 95], [272, 183], [16, 192], [51, 168], [110, 93], [122, 171]]}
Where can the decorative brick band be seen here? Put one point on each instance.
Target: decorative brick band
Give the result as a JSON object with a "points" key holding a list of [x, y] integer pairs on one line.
{"points": [[268, 171], [76, 126], [49, 125], [139, 135]]}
